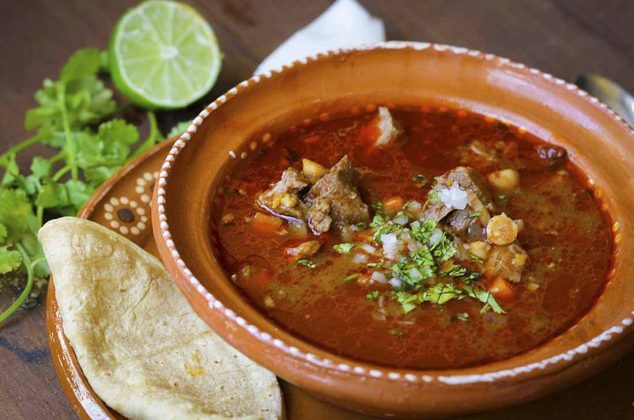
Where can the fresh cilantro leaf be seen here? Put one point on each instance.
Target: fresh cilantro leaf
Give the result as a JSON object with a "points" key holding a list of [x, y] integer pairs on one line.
{"points": [[15, 213], [3, 233], [372, 295], [78, 193], [343, 248], [307, 263], [52, 196], [9, 260], [83, 63], [41, 168], [475, 214]]}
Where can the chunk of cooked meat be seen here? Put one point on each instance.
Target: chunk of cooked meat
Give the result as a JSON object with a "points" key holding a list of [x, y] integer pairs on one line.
{"points": [[305, 249], [467, 180], [463, 205], [283, 199], [388, 130], [335, 198]]}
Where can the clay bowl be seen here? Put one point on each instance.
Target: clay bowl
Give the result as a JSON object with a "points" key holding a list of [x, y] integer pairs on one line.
{"points": [[397, 73]]}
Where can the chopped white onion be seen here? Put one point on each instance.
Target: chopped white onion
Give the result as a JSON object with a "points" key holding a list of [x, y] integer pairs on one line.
{"points": [[401, 219], [413, 246], [379, 277], [395, 283], [453, 197], [368, 248], [360, 258], [435, 237]]}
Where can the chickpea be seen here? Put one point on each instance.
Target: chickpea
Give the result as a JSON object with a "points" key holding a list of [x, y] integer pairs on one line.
{"points": [[501, 230], [504, 180], [313, 170]]}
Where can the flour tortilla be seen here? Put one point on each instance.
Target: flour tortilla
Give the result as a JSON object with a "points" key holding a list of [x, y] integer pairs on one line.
{"points": [[139, 343]]}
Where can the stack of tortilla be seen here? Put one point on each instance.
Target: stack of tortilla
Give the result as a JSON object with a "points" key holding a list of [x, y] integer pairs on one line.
{"points": [[140, 345]]}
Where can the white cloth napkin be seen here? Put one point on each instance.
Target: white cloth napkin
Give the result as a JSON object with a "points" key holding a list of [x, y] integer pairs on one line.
{"points": [[344, 24]]}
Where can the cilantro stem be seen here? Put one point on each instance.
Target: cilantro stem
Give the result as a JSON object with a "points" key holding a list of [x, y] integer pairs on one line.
{"points": [[63, 171], [153, 137], [70, 141], [40, 216], [19, 147], [29, 283]]}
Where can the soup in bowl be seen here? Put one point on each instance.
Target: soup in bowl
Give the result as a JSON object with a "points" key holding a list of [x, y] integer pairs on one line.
{"points": [[406, 229]]}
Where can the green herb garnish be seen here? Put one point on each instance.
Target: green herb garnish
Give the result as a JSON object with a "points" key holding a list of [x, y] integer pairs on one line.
{"points": [[433, 197], [343, 248], [372, 295], [307, 263], [350, 277], [74, 119], [475, 214]]}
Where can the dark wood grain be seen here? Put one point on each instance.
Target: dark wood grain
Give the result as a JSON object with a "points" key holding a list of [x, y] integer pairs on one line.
{"points": [[564, 37]]}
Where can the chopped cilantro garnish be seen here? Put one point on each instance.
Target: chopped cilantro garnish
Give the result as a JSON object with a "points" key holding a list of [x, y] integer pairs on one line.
{"points": [[377, 220], [502, 197], [475, 258], [443, 249], [407, 300], [372, 295], [462, 316], [484, 297], [361, 225], [421, 231], [350, 277], [475, 214], [384, 229], [343, 248], [307, 263], [433, 197], [376, 264]]}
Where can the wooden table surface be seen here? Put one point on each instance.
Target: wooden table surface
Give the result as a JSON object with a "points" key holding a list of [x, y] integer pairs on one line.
{"points": [[563, 37]]}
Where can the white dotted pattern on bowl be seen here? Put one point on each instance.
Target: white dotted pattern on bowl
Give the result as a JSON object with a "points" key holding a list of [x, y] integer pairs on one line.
{"points": [[138, 204], [374, 372]]}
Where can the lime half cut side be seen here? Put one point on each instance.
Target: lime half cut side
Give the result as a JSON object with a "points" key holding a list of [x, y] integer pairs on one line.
{"points": [[163, 55]]}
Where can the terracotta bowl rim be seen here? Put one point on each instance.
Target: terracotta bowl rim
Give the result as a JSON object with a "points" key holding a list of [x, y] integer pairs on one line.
{"points": [[360, 368]]}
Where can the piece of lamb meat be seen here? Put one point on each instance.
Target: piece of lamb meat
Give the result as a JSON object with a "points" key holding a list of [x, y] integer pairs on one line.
{"points": [[335, 199], [283, 198], [460, 221]]}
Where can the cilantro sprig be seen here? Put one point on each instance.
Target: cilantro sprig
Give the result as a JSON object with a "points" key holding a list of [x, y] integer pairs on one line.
{"points": [[77, 118]]}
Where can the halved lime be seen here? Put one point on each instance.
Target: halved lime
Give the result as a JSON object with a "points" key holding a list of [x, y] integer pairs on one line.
{"points": [[163, 54]]}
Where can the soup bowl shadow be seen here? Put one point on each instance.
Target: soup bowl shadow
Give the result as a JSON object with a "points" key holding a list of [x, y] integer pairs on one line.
{"points": [[232, 129]]}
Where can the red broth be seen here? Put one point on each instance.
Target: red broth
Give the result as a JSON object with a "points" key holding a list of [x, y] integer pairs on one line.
{"points": [[566, 236]]}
